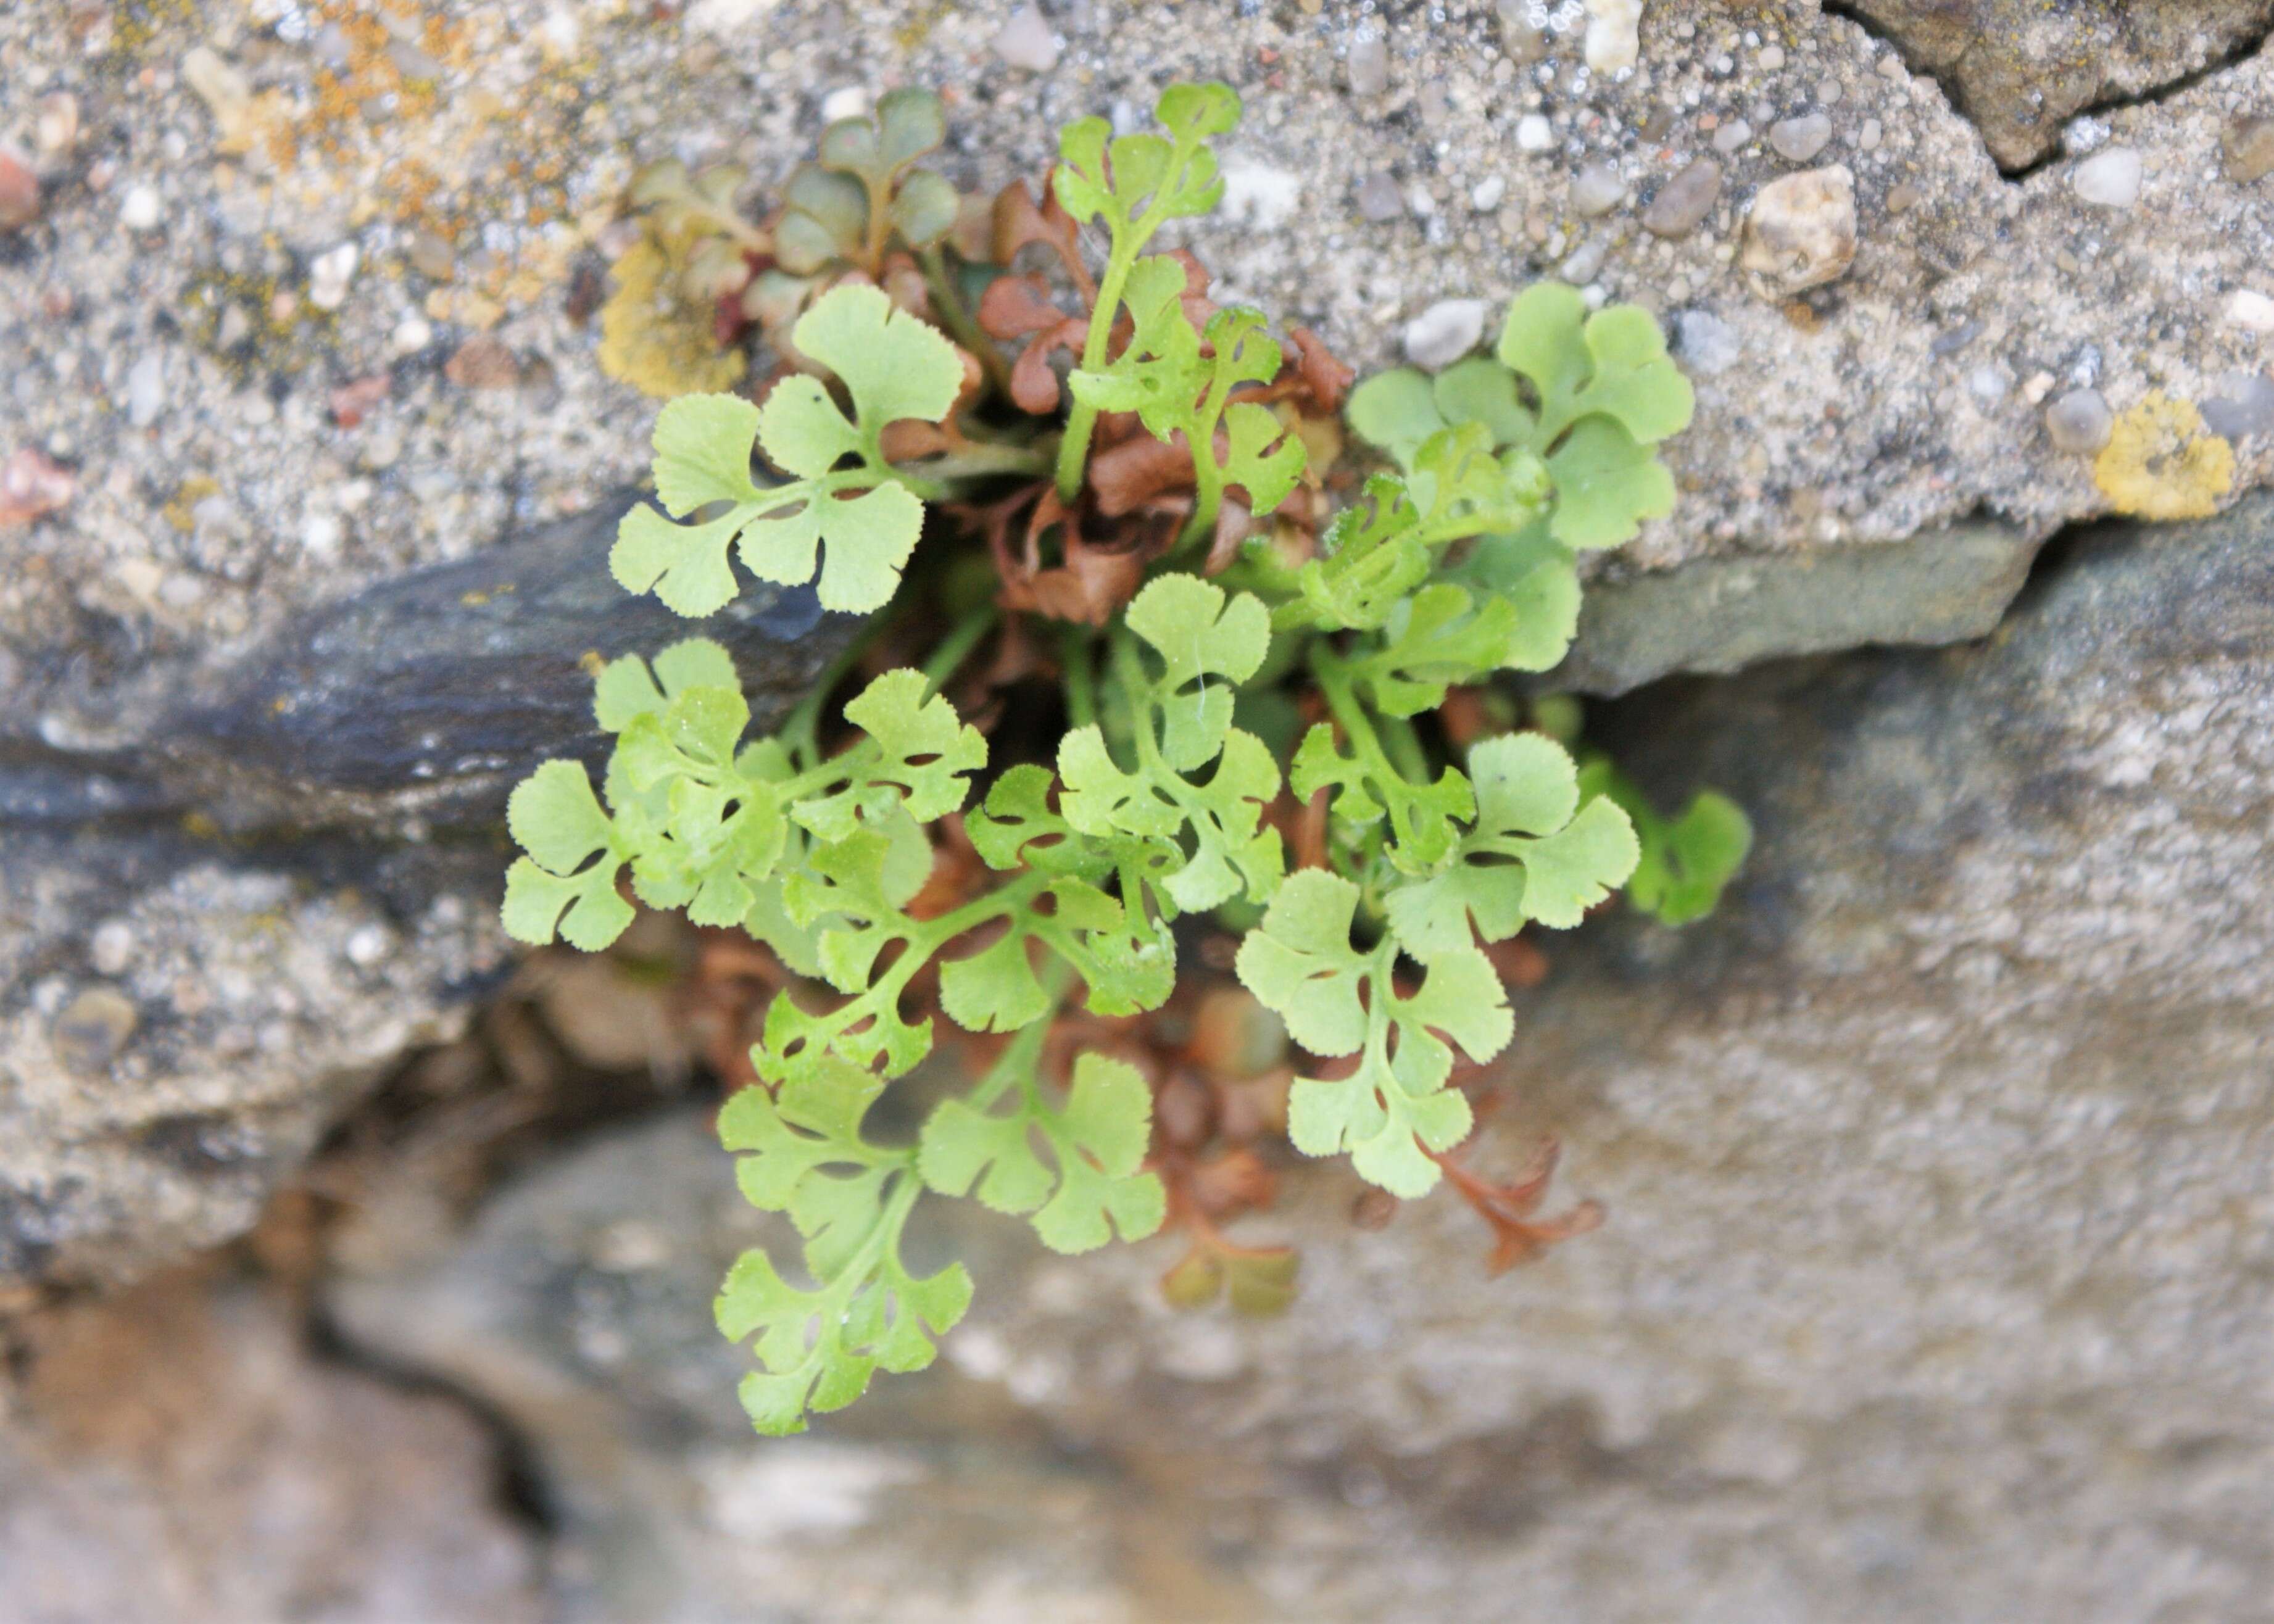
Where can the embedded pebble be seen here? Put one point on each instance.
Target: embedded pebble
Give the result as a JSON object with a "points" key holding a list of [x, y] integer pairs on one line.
{"points": [[2110, 179], [1731, 136], [1368, 65], [1025, 40], [2248, 308], [321, 534], [431, 255], [1798, 140], [367, 944], [1772, 58], [141, 208], [92, 1028], [1988, 383], [854, 101], [1683, 203], [1485, 196], [19, 190], [1534, 133], [2243, 405], [55, 128], [1587, 262], [328, 276], [1614, 34], [411, 335], [31, 487], [1445, 332], [2248, 145], [1903, 198], [146, 390], [1597, 188], [110, 949], [2079, 422], [1707, 344], [1801, 231], [483, 362], [1520, 36], [1378, 196]]}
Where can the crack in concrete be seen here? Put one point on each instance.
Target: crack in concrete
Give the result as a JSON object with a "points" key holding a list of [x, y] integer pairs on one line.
{"points": [[1954, 90]]}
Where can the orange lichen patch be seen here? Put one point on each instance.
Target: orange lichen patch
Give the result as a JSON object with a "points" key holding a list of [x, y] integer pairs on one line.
{"points": [[418, 116], [655, 338], [2161, 464]]}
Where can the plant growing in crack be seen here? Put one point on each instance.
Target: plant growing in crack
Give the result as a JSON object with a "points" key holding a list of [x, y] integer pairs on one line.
{"points": [[1141, 704]]}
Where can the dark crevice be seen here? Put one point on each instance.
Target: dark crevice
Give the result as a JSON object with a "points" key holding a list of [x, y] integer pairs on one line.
{"points": [[2241, 51], [519, 1490]]}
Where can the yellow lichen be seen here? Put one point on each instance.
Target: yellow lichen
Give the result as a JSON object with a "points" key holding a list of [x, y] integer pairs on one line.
{"points": [[181, 513], [2161, 464], [654, 337]]}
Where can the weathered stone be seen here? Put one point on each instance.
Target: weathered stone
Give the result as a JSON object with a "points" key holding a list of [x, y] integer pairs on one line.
{"points": [[2018, 68], [435, 694], [1801, 231], [2248, 145], [1723, 615], [155, 1110], [177, 1457]]}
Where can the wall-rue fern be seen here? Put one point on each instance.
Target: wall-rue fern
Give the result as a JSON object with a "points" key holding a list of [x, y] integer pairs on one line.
{"points": [[1249, 725]]}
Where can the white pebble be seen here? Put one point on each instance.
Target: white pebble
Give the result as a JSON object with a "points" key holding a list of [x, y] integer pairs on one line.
{"points": [[1614, 34], [146, 390], [1772, 58], [1988, 383], [1486, 195], [1534, 133], [321, 535], [2110, 179], [367, 944], [1026, 41], [141, 208], [411, 335], [111, 948], [1586, 260], [844, 102], [1368, 65], [1800, 140], [328, 276], [1445, 332], [1731, 136], [1597, 188], [2249, 309]]}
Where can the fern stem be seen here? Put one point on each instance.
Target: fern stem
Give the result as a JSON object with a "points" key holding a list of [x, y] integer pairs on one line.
{"points": [[956, 647], [1342, 700], [955, 316], [1080, 677]]}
